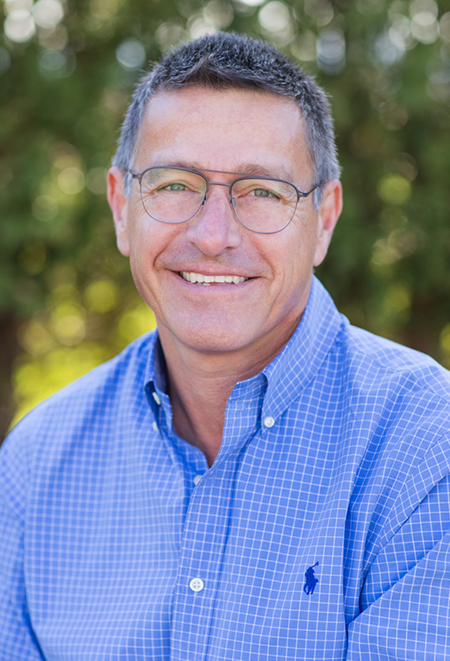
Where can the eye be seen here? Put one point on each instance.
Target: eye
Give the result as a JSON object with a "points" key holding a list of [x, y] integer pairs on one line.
{"points": [[263, 192], [175, 186]]}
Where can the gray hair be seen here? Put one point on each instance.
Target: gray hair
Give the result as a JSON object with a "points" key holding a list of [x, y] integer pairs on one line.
{"points": [[229, 60]]}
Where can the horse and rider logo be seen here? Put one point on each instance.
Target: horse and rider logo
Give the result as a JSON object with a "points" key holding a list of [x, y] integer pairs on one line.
{"points": [[311, 580]]}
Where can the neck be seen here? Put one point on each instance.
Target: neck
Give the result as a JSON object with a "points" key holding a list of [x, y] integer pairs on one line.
{"points": [[199, 385]]}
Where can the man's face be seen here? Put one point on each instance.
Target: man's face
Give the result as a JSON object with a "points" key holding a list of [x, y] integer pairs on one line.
{"points": [[234, 131]]}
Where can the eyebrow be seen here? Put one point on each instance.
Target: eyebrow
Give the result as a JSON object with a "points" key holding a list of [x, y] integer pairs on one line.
{"points": [[244, 169]]}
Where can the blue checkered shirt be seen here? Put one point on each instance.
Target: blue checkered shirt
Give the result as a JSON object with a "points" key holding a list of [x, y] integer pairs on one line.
{"points": [[319, 533]]}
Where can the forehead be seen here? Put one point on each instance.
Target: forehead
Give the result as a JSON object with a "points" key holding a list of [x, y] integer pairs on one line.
{"points": [[223, 130]]}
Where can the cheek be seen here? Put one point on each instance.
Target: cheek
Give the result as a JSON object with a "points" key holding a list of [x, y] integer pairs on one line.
{"points": [[305, 241], [140, 277], [141, 233], [299, 248], [151, 245], [142, 254]]}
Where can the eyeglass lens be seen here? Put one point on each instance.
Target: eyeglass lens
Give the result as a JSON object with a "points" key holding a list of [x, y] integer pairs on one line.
{"points": [[261, 205]]}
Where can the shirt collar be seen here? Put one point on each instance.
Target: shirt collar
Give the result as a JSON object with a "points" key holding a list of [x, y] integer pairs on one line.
{"points": [[299, 361], [288, 373]]}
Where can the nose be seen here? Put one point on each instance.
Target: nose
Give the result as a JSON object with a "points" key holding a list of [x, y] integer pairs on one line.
{"points": [[214, 228]]}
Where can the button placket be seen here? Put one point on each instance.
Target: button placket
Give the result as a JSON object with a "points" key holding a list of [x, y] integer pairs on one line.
{"points": [[199, 567]]}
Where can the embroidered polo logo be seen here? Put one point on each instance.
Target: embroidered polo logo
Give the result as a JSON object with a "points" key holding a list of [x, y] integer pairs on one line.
{"points": [[311, 580]]}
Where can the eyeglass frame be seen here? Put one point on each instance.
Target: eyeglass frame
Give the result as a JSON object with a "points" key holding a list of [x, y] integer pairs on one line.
{"points": [[300, 194]]}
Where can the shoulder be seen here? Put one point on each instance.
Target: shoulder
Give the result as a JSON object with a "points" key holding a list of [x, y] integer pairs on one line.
{"points": [[397, 402], [399, 392], [76, 436], [93, 400], [378, 358]]}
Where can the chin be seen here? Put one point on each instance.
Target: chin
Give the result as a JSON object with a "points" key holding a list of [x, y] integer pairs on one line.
{"points": [[213, 339], [216, 345]]}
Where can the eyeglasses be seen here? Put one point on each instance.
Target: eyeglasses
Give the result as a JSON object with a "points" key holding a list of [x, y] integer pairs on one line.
{"points": [[261, 204]]}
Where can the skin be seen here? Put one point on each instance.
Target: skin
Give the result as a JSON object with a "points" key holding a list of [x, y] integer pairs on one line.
{"points": [[215, 336]]}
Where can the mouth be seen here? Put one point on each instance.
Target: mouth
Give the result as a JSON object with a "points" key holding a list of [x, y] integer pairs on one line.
{"points": [[208, 280]]}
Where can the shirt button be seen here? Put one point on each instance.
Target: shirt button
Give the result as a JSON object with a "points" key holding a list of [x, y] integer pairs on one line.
{"points": [[196, 585], [269, 421], [156, 398], [197, 479], [155, 426]]}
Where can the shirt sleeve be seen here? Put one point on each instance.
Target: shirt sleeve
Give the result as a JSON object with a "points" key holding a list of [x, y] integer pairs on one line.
{"points": [[405, 599], [17, 639]]}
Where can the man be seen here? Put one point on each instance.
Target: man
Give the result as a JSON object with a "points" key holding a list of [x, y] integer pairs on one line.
{"points": [[258, 480]]}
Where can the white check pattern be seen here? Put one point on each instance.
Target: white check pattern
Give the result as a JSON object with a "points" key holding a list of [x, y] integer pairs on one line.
{"points": [[103, 529]]}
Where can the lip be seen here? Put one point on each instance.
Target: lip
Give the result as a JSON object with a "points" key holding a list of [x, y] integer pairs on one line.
{"points": [[210, 272], [216, 286]]}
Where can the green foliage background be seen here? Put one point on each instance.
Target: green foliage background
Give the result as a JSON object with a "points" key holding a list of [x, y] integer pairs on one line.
{"points": [[67, 301]]}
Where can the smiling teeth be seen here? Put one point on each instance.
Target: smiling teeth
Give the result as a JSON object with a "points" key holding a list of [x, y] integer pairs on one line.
{"points": [[199, 278]]}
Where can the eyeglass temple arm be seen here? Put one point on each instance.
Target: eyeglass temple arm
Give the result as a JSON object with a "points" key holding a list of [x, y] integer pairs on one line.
{"points": [[302, 194]]}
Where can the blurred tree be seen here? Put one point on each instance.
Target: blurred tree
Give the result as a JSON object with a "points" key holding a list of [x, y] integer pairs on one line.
{"points": [[67, 69]]}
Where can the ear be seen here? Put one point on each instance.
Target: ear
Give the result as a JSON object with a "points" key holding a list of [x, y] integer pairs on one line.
{"points": [[119, 207], [329, 212]]}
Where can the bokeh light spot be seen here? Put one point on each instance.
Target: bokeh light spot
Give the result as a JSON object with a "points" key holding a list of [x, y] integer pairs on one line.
{"points": [[35, 381], [394, 189], [252, 3], [445, 27], [35, 338], [200, 27], [304, 47], [170, 34], [57, 64], [219, 13], [131, 54], [101, 296], [68, 323], [71, 180], [136, 322], [274, 16], [419, 6], [330, 49], [19, 26], [444, 344], [96, 181], [16, 5], [424, 27], [47, 13]]}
